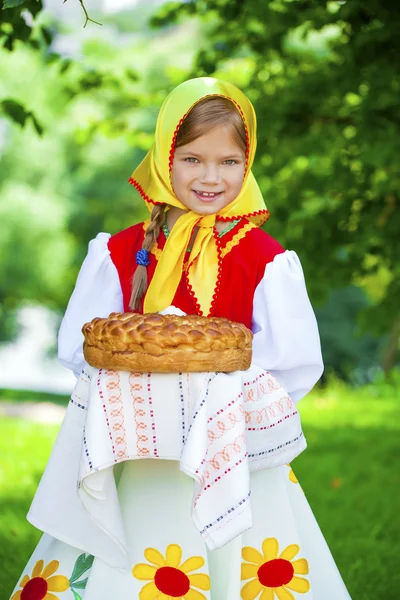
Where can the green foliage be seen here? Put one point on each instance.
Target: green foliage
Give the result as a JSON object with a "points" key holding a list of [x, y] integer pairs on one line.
{"points": [[324, 79], [19, 114], [57, 192], [14, 27], [346, 352], [12, 3], [28, 3]]}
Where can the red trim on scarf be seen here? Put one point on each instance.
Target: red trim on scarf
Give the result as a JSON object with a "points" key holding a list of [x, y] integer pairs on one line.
{"points": [[141, 191], [219, 273], [247, 216], [192, 294]]}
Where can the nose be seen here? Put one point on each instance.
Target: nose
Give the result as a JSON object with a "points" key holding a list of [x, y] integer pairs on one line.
{"points": [[210, 174]]}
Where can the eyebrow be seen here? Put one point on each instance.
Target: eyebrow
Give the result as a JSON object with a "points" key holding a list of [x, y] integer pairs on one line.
{"points": [[195, 155]]}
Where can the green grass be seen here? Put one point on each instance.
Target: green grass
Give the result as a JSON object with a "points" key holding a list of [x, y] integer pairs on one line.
{"points": [[24, 450], [10, 395], [351, 479], [349, 474]]}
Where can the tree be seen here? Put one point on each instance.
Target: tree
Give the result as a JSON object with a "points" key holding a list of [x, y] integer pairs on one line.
{"points": [[59, 189], [325, 82], [324, 79]]}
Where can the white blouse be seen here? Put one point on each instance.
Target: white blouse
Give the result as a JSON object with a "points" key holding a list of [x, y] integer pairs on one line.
{"points": [[286, 339]]}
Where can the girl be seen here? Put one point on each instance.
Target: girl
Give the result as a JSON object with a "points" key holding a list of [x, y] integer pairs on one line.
{"points": [[202, 252]]}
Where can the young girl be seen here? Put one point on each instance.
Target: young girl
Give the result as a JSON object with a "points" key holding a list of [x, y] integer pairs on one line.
{"points": [[202, 252]]}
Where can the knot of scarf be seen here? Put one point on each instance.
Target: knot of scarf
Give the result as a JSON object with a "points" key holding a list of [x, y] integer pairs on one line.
{"points": [[202, 266]]}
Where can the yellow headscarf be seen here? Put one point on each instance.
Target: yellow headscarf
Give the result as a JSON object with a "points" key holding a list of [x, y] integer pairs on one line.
{"points": [[152, 180]]}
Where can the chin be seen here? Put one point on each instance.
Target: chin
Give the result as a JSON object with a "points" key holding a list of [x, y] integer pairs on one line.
{"points": [[206, 210]]}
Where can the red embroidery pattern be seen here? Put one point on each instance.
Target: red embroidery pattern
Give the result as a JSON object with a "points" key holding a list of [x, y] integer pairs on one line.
{"points": [[116, 413], [257, 392], [151, 411], [105, 412], [221, 427], [272, 424], [136, 390], [235, 447], [232, 415], [269, 412], [227, 455]]}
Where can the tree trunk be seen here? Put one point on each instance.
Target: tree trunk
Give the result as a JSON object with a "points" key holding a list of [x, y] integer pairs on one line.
{"points": [[392, 349]]}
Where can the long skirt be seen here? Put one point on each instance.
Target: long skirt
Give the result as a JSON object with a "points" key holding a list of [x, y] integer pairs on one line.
{"points": [[282, 556]]}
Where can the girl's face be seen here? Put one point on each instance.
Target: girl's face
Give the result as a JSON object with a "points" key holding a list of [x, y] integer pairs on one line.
{"points": [[207, 174]]}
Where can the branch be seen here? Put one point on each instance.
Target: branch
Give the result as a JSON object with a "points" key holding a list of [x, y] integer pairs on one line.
{"points": [[87, 15]]}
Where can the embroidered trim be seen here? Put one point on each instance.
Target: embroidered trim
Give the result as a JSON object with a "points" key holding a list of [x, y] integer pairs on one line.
{"points": [[138, 404], [231, 226], [263, 215], [167, 232], [217, 283], [266, 452], [141, 191], [192, 294], [226, 513], [221, 234], [236, 238], [151, 411], [219, 274]]}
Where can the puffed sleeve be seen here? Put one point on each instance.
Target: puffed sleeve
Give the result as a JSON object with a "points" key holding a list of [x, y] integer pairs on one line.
{"points": [[286, 339], [97, 293]]}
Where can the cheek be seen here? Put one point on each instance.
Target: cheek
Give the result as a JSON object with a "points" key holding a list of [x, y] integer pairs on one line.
{"points": [[236, 181], [179, 176]]}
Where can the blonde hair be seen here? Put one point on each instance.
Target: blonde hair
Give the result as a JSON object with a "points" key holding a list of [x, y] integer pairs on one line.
{"points": [[140, 279], [210, 112]]}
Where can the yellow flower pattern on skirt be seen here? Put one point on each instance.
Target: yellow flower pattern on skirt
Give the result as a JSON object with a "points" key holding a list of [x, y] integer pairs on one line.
{"points": [[168, 577], [42, 582], [273, 576], [292, 476]]}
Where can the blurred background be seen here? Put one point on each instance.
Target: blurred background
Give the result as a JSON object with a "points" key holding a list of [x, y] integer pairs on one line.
{"points": [[78, 106]]}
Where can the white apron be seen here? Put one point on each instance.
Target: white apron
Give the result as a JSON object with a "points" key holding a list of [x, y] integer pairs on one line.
{"points": [[177, 486]]}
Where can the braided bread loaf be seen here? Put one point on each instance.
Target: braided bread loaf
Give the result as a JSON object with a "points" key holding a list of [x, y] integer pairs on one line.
{"points": [[167, 343]]}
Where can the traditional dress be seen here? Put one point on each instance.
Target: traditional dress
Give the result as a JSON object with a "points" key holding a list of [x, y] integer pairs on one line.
{"points": [[167, 486]]}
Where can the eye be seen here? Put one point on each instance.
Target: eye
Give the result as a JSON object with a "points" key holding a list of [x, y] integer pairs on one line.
{"points": [[230, 161], [191, 159]]}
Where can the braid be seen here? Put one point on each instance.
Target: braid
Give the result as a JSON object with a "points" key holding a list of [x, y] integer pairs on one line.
{"points": [[139, 281]]}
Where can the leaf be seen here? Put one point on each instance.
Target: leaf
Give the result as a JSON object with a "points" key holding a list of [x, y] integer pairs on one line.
{"points": [[36, 124], [12, 3], [80, 585], [19, 114], [15, 110], [76, 595], [83, 564]]}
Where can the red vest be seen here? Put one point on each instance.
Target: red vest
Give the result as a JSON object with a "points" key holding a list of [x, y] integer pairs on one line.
{"points": [[243, 255]]}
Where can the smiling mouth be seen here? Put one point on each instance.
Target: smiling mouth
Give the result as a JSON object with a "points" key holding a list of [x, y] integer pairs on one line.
{"points": [[208, 195]]}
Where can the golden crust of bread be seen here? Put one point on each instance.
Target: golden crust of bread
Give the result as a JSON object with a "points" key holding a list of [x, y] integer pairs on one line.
{"points": [[167, 343]]}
